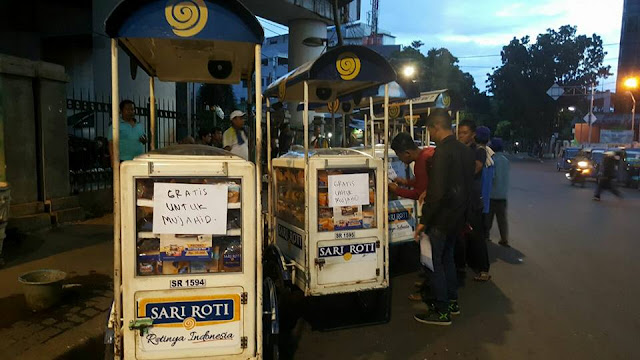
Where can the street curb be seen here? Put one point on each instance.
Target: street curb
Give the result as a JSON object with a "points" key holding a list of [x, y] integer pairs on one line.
{"points": [[68, 340]]}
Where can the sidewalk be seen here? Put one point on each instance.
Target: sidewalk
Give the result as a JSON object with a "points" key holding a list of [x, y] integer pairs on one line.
{"points": [[85, 252]]}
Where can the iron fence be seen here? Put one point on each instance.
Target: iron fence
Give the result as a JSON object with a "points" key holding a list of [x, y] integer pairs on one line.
{"points": [[88, 125]]}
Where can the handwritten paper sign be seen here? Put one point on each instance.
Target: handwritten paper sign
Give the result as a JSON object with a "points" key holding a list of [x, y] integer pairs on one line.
{"points": [[189, 209], [348, 190]]}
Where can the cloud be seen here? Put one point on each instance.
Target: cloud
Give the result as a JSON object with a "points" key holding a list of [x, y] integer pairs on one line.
{"points": [[470, 27]]}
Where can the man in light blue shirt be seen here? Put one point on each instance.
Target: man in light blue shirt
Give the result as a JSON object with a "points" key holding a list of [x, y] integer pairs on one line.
{"points": [[133, 136]]}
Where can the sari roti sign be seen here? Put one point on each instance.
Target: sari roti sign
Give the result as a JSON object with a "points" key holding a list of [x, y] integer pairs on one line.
{"points": [[191, 322]]}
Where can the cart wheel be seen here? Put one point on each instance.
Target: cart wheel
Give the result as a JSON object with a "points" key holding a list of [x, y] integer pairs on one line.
{"points": [[270, 321], [288, 301], [376, 304], [109, 353]]}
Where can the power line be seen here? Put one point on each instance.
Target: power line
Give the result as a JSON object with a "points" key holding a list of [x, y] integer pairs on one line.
{"points": [[269, 29], [275, 24]]}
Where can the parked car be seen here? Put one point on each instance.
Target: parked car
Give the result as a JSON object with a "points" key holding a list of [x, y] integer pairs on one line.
{"points": [[629, 167], [566, 158]]}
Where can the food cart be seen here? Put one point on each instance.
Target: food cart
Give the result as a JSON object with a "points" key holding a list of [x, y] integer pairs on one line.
{"points": [[327, 214], [187, 218], [401, 212]]}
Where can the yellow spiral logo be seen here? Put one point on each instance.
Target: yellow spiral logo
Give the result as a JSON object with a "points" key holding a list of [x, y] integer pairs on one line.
{"points": [[446, 100], [187, 18], [334, 105], [394, 111], [189, 323], [282, 89], [348, 66]]}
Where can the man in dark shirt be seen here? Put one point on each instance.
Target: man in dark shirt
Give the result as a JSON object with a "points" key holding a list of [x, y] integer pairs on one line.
{"points": [[473, 249], [444, 214], [285, 139]]}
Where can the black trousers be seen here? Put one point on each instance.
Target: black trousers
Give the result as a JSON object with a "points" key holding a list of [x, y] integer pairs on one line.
{"points": [[606, 184], [471, 248], [498, 210]]}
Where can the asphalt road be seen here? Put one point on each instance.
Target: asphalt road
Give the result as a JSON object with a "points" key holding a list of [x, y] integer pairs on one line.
{"points": [[567, 288]]}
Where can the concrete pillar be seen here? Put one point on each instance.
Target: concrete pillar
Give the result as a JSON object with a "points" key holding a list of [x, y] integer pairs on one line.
{"points": [[18, 113], [300, 53], [35, 126], [51, 124]]}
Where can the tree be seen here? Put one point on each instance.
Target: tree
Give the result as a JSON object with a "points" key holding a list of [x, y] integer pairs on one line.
{"points": [[417, 44], [438, 70], [528, 69]]}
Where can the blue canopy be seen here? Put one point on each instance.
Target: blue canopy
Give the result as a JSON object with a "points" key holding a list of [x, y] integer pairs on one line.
{"points": [[341, 71], [197, 40]]}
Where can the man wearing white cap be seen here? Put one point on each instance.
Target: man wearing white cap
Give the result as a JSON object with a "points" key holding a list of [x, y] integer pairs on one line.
{"points": [[235, 139]]}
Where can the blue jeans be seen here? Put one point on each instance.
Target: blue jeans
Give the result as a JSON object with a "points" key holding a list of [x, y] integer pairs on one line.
{"points": [[444, 282]]}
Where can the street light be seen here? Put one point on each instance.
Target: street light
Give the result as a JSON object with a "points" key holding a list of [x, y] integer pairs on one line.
{"points": [[571, 108], [632, 84], [408, 71]]}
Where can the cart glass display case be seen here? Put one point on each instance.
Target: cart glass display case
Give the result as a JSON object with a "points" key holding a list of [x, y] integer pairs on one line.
{"points": [[173, 254]]}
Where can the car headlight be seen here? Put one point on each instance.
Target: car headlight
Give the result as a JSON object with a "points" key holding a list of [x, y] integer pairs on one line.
{"points": [[583, 164]]}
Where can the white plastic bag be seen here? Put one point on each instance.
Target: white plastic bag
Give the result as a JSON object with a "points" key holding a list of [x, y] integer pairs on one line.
{"points": [[426, 256]]}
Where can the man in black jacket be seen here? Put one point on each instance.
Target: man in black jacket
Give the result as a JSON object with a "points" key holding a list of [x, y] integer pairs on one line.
{"points": [[444, 214], [605, 179]]}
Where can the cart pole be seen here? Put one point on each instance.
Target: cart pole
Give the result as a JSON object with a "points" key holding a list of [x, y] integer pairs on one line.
{"points": [[333, 121], [269, 172], [344, 130], [305, 124], [373, 139], [426, 128], [457, 122], [411, 118], [115, 165], [373, 118], [366, 131], [259, 218], [152, 112], [385, 172]]}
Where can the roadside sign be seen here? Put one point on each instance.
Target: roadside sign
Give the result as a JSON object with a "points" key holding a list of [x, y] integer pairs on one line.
{"points": [[555, 91], [590, 118]]}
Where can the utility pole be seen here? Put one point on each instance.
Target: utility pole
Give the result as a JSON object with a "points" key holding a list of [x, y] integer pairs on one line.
{"points": [[593, 92], [336, 22], [633, 118]]}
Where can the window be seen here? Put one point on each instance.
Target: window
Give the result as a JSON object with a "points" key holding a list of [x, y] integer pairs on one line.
{"points": [[273, 40], [265, 62], [283, 61], [290, 196], [244, 84]]}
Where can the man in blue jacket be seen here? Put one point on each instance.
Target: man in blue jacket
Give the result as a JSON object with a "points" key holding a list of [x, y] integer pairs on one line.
{"points": [[499, 190]]}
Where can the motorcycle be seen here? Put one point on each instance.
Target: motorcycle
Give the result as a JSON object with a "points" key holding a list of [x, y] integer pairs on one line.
{"points": [[579, 172]]}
